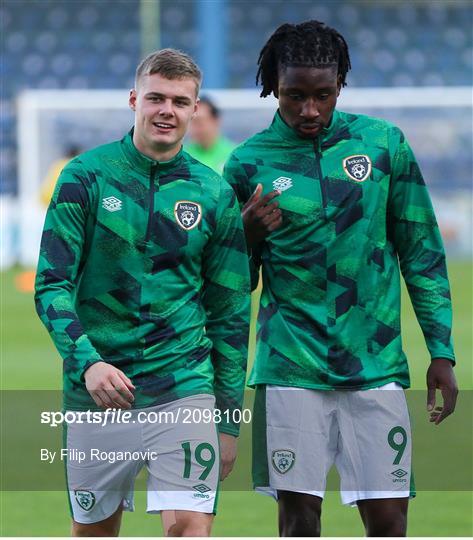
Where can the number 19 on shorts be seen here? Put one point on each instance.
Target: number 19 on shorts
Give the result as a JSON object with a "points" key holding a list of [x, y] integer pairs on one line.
{"points": [[204, 456]]}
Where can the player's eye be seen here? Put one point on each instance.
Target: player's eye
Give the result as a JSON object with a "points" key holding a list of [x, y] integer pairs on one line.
{"points": [[295, 97]]}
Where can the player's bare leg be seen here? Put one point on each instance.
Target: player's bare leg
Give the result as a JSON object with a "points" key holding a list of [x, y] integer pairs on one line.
{"points": [[190, 523], [384, 517], [299, 514], [168, 519], [107, 527]]}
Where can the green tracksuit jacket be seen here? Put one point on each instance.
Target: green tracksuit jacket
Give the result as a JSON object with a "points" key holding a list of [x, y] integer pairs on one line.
{"points": [[143, 265], [355, 208]]}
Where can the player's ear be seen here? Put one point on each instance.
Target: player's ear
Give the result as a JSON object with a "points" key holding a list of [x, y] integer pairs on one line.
{"points": [[196, 107], [132, 99]]}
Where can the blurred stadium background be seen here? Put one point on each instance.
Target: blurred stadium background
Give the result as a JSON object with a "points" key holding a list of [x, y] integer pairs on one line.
{"points": [[412, 64]]}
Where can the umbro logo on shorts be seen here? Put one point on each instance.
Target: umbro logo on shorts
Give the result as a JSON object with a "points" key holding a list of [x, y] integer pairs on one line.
{"points": [[202, 489], [282, 183], [399, 473], [85, 499], [283, 460], [357, 168], [112, 204]]}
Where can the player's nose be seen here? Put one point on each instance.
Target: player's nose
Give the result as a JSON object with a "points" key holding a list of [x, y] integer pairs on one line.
{"points": [[166, 108], [310, 109]]}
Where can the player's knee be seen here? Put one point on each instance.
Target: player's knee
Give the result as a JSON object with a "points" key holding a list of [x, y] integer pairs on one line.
{"points": [[393, 529], [108, 527], [384, 517], [396, 527], [299, 514], [196, 530], [91, 530], [191, 527], [299, 527], [392, 525]]}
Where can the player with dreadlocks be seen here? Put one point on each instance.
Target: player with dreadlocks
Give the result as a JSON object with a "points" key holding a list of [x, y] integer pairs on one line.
{"points": [[345, 209], [310, 44]]}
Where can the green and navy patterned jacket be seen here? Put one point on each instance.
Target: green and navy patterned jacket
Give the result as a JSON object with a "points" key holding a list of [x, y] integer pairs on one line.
{"points": [[144, 265], [355, 208]]}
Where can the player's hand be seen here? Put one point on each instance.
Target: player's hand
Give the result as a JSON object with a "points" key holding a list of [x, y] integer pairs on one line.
{"points": [[109, 387], [440, 375], [228, 452], [261, 216]]}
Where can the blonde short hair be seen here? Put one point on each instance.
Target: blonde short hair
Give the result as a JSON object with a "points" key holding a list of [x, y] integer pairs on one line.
{"points": [[171, 64]]}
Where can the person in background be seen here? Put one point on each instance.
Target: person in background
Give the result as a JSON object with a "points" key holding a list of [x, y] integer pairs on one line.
{"points": [[208, 145], [49, 183], [24, 281]]}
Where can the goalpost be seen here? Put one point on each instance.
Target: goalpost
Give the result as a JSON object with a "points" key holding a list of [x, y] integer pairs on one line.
{"points": [[437, 121]]}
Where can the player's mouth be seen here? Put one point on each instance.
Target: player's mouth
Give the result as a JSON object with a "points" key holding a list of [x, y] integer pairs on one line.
{"points": [[310, 130], [163, 127]]}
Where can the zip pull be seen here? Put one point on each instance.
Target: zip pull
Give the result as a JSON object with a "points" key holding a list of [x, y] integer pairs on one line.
{"points": [[152, 189], [322, 183], [152, 172]]}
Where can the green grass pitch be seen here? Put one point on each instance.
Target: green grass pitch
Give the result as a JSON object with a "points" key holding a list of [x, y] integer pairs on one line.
{"points": [[29, 362]]}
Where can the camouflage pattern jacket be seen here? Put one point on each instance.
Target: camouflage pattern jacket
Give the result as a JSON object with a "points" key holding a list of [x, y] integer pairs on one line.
{"points": [[355, 208], [144, 265]]}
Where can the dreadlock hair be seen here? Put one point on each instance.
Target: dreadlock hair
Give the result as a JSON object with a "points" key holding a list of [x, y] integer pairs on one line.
{"points": [[308, 44]]}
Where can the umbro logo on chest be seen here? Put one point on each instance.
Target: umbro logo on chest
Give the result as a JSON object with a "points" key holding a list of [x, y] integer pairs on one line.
{"points": [[282, 183], [112, 204]]}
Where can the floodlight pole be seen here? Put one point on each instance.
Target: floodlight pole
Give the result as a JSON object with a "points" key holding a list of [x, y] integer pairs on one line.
{"points": [[150, 29], [213, 29]]}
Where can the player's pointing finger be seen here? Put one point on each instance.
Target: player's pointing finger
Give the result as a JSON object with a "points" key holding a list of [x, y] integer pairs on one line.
{"points": [[257, 193], [269, 196]]}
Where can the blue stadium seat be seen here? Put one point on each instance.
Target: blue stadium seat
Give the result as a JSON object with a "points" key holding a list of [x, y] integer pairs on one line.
{"points": [[96, 44]]}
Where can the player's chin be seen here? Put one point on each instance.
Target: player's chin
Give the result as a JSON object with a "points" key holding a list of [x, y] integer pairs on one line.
{"points": [[165, 138], [309, 133]]}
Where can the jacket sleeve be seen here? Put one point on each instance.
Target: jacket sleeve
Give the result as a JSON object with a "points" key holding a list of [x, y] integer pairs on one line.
{"points": [[416, 237], [235, 174], [226, 298], [61, 250]]}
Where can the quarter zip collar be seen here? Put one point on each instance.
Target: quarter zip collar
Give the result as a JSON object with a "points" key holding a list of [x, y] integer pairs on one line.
{"points": [[290, 136], [144, 163]]}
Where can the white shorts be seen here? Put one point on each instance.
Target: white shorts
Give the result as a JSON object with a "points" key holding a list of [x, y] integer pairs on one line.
{"points": [[365, 433], [179, 449]]}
